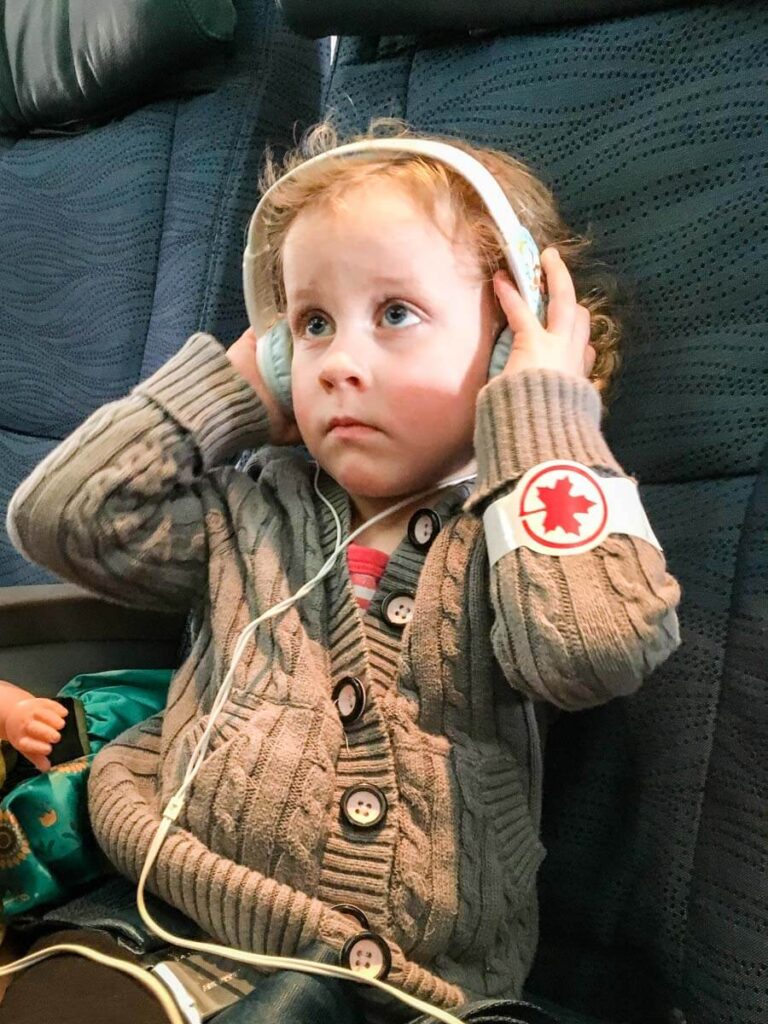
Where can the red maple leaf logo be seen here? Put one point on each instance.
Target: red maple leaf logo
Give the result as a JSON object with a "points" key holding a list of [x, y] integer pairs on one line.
{"points": [[562, 507]]}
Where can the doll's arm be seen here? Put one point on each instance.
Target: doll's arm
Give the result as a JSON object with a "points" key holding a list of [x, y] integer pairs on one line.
{"points": [[574, 630], [123, 506], [32, 725]]}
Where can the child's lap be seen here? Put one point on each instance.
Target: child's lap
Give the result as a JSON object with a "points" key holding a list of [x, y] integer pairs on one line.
{"points": [[77, 987], [73, 989]]}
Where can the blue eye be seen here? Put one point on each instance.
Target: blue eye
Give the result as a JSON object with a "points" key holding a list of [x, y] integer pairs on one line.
{"points": [[398, 315], [317, 326]]}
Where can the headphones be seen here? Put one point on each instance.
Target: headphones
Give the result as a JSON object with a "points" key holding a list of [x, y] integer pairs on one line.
{"points": [[274, 350]]}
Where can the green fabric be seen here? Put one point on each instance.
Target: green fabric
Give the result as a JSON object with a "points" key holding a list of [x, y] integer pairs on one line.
{"points": [[46, 844]]}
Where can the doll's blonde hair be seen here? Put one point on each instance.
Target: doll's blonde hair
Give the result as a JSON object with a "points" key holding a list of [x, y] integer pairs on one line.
{"points": [[430, 182]]}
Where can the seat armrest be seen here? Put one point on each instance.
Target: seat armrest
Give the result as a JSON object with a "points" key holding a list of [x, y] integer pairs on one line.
{"points": [[51, 632]]}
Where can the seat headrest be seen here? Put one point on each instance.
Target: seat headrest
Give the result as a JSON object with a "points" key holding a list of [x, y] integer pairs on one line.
{"points": [[404, 17], [65, 63]]}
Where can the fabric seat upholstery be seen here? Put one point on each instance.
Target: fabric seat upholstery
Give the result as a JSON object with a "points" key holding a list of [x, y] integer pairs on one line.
{"points": [[651, 130], [119, 242]]}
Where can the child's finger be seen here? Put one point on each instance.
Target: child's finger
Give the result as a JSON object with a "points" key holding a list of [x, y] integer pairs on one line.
{"points": [[589, 360], [41, 763], [516, 310], [582, 327], [561, 311]]}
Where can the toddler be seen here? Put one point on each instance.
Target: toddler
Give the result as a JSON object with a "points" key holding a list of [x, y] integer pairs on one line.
{"points": [[372, 788]]}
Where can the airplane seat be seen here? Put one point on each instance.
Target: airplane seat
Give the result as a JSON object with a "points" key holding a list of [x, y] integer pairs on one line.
{"points": [[122, 234], [648, 120], [121, 240], [649, 124]]}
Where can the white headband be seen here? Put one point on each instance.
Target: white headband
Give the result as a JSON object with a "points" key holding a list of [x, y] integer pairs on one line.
{"points": [[520, 250]]}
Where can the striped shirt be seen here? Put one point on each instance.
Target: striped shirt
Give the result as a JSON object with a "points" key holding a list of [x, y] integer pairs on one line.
{"points": [[366, 567]]}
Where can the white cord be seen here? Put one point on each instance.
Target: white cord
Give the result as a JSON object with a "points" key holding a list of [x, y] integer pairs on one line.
{"points": [[201, 747], [262, 960], [175, 804]]}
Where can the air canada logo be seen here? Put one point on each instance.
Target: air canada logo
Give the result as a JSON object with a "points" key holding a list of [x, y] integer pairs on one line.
{"points": [[562, 508]]}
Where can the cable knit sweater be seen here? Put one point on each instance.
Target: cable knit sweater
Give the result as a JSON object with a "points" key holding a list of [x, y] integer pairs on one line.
{"points": [[143, 506]]}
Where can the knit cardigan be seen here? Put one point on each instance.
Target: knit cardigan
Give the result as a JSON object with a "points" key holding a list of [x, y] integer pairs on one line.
{"points": [[143, 505]]}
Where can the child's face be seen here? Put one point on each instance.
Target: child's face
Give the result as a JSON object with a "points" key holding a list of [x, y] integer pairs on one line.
{"points": [[393, 327]]}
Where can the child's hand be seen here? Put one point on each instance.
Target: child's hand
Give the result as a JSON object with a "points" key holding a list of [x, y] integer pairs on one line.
{"points": [[32, 726], [564, 343], [242, 355]]}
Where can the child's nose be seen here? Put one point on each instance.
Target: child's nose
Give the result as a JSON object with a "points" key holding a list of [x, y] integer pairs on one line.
{"points": [[344, 362]]}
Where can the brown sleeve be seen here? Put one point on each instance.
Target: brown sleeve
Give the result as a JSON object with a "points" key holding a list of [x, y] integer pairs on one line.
{"points": [[120, 506], [580, 629]]}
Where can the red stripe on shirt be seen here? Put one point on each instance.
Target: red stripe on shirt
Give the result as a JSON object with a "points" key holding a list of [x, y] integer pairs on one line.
{"points": [[366, 567]]}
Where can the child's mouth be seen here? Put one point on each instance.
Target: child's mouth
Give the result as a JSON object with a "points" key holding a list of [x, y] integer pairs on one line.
{"points": [[351, 430]]}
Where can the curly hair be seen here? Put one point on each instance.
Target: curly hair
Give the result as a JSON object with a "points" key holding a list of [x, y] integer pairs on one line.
{"points": [[430, 182]]}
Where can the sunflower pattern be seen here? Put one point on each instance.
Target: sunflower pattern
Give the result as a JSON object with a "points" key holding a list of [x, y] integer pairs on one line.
{"points": [[14, 847]]}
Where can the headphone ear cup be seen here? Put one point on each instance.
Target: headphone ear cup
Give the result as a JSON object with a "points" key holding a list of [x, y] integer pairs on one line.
{"points": [[274, 352], [500, 353]]}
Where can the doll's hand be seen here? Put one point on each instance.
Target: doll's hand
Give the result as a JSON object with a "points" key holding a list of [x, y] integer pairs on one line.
{"points": [[564, 343], [32, 726], [242, 355]]}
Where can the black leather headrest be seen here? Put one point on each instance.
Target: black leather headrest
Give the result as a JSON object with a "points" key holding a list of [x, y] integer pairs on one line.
{"points": [[420, 17], [69, 62]]}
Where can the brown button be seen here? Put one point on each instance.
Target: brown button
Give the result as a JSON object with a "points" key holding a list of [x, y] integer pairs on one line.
{"points": [[366, 954], [363, 805], [349, 698]]}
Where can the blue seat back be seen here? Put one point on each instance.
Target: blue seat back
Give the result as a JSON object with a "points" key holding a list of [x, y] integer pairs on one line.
{"points": [[651, 130], [119, 242]]}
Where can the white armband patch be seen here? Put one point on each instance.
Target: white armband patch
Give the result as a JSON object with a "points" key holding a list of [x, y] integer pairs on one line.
{"points": [[564, 508]]}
